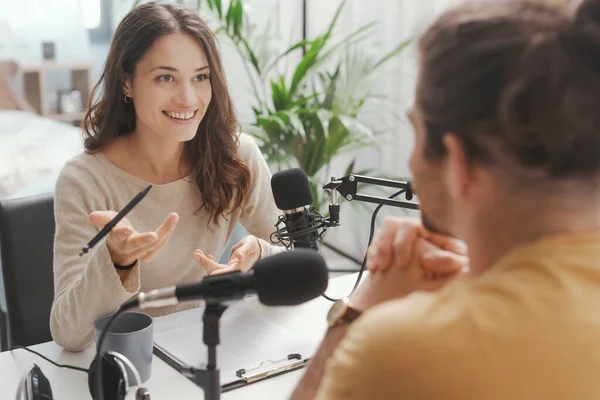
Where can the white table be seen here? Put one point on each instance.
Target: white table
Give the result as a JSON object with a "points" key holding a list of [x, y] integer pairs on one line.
{"points": [[166, 383]]}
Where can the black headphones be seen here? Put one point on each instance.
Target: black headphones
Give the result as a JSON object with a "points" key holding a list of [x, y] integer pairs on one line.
{"points": [[115, 382]]}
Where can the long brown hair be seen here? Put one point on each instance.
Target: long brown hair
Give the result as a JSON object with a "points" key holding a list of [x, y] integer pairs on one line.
{"points": [[520, 75], [222, 178]]}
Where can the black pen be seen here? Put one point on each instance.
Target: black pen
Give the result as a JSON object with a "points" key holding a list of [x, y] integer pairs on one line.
{"points": [[138, 197]]}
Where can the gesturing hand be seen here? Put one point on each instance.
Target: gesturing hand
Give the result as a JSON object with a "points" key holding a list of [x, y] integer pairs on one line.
{"points": [[243, 256], [126, 245]]}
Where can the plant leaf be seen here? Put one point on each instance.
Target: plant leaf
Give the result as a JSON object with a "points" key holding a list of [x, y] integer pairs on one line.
{"points": [[279, 94], [330, 90], [218, 7], [251, 56], [234, 18], [395, 52], [311, 57], [290, 50], [350, 168], [308, 61]]}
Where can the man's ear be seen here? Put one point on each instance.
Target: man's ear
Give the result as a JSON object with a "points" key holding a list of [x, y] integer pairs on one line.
{"points": [[127, 84], [457, 172]]}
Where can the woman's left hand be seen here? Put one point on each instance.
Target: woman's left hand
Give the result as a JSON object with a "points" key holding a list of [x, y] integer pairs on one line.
{"points": [[243, 256]]}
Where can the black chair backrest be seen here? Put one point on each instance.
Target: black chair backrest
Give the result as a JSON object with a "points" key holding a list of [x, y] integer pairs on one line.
{"points": [[26, 255]]}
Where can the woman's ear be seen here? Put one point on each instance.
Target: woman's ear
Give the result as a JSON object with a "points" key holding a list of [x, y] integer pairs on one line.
{"points": [[457, 171], [127, 84]]}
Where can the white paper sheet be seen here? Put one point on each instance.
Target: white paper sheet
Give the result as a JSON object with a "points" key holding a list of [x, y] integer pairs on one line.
{"points": [[247, 340]]}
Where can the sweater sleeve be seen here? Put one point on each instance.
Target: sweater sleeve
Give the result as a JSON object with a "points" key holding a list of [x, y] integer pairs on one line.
{"points": [[86, 287], [260, 213]]}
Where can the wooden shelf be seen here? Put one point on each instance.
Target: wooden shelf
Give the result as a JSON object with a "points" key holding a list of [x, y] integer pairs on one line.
{"points": [[34, 80]]}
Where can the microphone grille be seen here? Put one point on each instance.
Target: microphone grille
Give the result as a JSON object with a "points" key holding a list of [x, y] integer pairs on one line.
{"points": [[290, 278], [291, 189]]}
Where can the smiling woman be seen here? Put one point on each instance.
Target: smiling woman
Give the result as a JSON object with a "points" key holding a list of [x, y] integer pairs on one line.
{"points": [[165, 118]]}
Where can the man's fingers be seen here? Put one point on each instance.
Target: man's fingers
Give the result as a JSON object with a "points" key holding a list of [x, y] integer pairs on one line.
{"points": [[379, 254], [448, 243], [444, 262], [404, 243]]}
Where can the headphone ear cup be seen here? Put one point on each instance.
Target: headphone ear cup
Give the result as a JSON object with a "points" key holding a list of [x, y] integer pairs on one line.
{"points": [[40, 384], [113, 382]]}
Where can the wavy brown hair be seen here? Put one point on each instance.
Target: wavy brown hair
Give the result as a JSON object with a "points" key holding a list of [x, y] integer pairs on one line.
{"points": [[221, 177], [522, 76]]}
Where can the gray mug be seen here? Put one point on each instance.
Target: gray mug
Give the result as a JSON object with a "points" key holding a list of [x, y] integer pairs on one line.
{"points": [[132, 335]]}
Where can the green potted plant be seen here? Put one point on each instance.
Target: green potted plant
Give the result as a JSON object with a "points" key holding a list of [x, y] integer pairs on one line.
{"points": [[313, 115]]}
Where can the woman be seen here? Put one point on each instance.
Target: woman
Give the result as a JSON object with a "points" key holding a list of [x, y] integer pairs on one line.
{"points": [[164, 117]]}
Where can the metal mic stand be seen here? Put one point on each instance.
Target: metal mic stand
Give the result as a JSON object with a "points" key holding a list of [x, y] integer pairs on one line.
{"points": [[209, 379], [347, 187]]}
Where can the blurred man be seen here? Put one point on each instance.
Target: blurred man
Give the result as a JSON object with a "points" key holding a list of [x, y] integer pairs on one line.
{"points": [[506, 158]]}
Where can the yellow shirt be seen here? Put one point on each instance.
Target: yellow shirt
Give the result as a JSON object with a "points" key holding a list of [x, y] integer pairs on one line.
{"points": [[527, 329]]}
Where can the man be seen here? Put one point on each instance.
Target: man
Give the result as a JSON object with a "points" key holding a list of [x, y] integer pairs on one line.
{"points": [[506, 158]]}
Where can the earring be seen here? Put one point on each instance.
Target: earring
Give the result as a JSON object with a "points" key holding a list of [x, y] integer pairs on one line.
{"points": [[127, 99]]}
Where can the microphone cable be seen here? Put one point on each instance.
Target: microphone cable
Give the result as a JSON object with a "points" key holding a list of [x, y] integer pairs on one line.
{"points": [[371, 234], [73, 367]]}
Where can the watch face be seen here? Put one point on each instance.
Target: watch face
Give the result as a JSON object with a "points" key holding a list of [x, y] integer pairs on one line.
{"points": [[336, 311]]}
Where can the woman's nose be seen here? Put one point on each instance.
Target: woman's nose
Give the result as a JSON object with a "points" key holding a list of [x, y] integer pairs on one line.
{"points": [[186, 94]]}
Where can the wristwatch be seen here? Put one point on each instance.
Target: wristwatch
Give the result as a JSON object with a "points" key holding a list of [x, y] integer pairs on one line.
{"points": [[342, 312]]}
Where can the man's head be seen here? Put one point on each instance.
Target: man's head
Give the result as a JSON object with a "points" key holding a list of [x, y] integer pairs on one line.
{"points": [[507, 104]]}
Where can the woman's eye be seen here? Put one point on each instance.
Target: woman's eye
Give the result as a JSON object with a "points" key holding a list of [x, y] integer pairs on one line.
{"points": [[201, 78], [164, 78]]}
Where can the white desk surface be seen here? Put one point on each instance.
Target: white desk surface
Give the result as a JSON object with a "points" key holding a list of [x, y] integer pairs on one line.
{"points": [[166, 383]]}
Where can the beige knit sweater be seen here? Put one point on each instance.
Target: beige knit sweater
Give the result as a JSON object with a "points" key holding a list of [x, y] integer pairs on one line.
{"points": [[88, 287]]}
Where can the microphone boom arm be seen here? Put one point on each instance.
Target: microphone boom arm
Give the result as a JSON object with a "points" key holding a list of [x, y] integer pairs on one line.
{"points": [[348, 187]]}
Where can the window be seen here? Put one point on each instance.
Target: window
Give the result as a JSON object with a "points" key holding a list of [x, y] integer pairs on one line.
{"points": [[96, 16]]}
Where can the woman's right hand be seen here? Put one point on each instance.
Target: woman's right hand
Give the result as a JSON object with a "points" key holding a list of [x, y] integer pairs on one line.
{"points": [[126, 245]]}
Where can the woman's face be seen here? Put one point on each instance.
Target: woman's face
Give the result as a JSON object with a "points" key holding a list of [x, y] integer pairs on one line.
{"points": [[171, 88]]}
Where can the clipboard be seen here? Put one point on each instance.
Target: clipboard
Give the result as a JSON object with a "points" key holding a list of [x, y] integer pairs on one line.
{"points": [[266, 370], [252, 347]]}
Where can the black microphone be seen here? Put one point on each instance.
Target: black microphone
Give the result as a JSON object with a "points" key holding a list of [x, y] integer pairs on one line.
{"points": [[292, 195], [285, 279]]}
